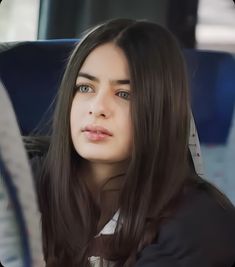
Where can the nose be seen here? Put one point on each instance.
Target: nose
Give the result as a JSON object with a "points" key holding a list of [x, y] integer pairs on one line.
{"points": [[101, 106]]}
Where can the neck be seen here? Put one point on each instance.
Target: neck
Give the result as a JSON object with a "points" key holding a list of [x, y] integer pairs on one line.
{"points": [[100, 176], [104, 182]]}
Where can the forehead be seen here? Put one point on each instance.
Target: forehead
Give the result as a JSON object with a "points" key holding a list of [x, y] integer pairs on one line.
{"points": [[107, 60]]}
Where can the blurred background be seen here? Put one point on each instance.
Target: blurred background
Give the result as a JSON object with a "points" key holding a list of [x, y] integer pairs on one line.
{"points": [[198, 24]]}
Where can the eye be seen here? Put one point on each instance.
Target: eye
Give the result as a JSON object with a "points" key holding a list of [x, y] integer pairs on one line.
{"points": [[84, 88], [124, 94]]}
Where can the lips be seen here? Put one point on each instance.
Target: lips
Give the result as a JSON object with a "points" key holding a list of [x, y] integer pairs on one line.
{"points": [[96, 133], [97, 130]]}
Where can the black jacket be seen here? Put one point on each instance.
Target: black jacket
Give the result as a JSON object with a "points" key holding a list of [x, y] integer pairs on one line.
{"points": [[201, 234]]}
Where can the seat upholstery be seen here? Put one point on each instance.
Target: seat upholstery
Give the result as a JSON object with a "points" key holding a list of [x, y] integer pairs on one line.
{"points": [[31, 72]]}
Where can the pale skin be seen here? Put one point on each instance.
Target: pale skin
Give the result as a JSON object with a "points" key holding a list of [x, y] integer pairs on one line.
{"points": [[102, 100]]}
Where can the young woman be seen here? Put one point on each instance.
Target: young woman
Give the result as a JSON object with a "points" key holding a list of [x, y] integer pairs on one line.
{"points": [[116, 185]]}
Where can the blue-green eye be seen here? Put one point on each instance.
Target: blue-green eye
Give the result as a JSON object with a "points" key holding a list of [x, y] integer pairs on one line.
{"points": [[124, 94], [83, 88]]}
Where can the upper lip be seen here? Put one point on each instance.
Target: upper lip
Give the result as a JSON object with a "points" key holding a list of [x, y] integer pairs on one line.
{"points": [[97, 128]]}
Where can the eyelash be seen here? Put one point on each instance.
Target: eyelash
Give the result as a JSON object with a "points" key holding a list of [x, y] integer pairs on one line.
{"points": [[123, 94]]}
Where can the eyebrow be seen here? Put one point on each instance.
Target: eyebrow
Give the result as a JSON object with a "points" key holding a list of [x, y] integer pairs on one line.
{"points": [[95, 79]]}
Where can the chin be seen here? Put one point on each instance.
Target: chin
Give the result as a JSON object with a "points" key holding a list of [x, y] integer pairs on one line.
{"points": [[100, 157], [101, 154], [94, 156], [95, 159]]}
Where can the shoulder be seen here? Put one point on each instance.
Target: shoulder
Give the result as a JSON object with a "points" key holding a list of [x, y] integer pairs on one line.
{"points": [[201, 233]]}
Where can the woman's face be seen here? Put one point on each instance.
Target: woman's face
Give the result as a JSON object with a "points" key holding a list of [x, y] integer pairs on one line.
{"points": [[100, 113]]}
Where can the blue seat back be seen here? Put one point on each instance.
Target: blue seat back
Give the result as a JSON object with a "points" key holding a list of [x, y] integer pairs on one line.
{"points": [[212, 82], [31, 72]]}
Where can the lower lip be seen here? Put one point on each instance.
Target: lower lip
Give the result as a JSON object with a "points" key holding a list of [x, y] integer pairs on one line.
{"points": [[92, 136]]}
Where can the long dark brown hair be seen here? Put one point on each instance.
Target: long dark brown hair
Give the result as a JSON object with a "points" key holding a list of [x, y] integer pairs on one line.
{"points": [[158, 168]]}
